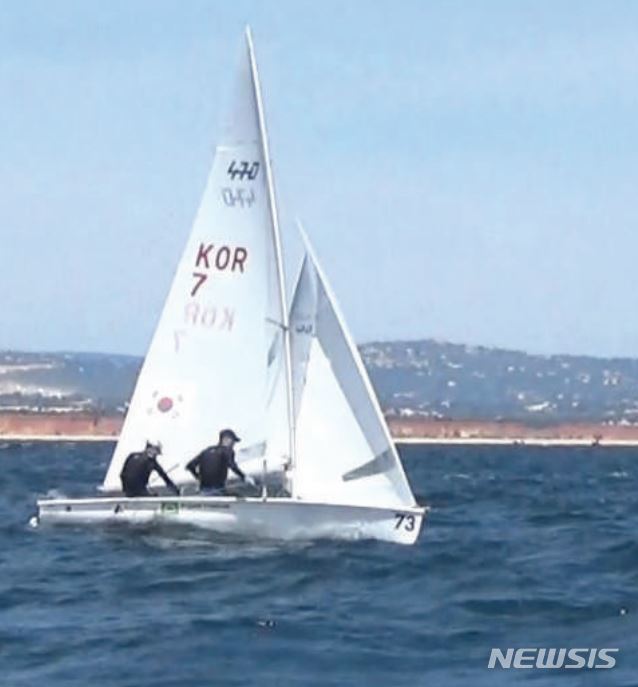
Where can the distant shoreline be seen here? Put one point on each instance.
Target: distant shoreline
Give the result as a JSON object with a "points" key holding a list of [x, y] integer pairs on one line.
{"points": [[61, 438], [400, 441], [494, 432], [85, 427], [510, 441]]}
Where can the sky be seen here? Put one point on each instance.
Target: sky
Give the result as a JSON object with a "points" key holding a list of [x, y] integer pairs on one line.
{"points": [[467, 170]]}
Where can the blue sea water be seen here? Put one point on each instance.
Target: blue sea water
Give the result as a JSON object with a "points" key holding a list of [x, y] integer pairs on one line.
{"points": [[524, 547]]}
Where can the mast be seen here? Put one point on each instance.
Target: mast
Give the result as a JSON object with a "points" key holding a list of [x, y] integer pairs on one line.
{"points": [[276, 237]]}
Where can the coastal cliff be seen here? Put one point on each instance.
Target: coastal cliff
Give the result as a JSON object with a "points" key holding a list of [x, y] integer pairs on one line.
{"points": [[426, 388]]}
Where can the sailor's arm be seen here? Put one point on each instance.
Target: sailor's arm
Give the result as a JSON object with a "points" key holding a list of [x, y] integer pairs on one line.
{"points": [[193, 466], [167, 480], [235, 468]]}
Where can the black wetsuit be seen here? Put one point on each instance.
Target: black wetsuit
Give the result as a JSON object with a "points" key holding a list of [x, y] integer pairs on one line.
{"points": [[137, 471], [210, 467]]}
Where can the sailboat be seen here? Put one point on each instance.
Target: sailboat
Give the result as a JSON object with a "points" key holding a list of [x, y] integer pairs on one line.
{"points": [[228, 352]]}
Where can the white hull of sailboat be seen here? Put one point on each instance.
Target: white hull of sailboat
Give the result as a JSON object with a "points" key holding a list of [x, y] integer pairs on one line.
{"points": [[272, 518]]}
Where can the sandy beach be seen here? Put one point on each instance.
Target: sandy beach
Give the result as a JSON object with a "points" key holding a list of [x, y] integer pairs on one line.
{"points": [[25, 427]]}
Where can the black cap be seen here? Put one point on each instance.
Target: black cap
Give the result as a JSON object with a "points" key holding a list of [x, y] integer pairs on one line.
{"points": [[228, 433]]}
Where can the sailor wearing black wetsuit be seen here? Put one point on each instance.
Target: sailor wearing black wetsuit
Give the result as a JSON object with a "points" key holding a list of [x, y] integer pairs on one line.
{"points": [[138, 468], [210, 467]]}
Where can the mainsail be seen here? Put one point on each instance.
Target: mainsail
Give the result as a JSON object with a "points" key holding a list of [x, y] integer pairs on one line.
{"points": [[219, 356], [344, 450]]}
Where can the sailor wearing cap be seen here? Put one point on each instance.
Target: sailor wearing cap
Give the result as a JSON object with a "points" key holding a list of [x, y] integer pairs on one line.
{"points": [[137, 470], [210, 467]]}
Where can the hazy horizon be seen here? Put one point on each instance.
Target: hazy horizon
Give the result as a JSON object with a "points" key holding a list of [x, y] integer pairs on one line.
{"points": [[367, 342], [465, 171]]}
